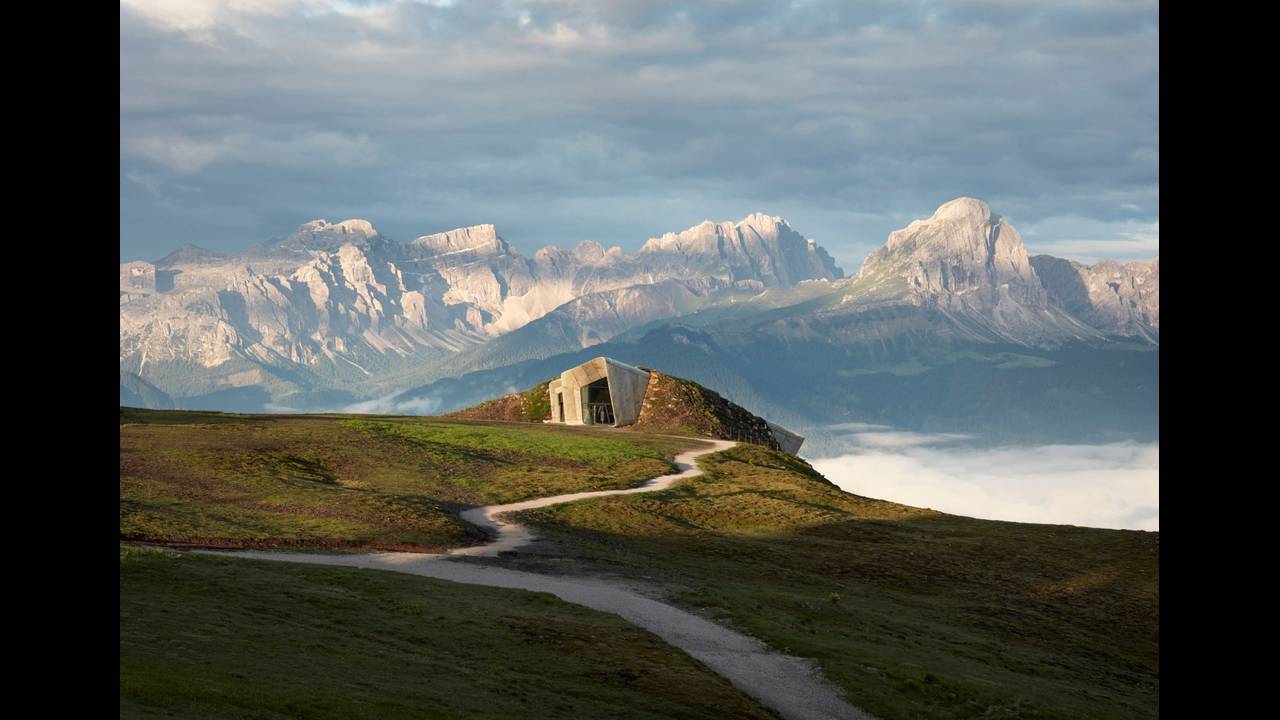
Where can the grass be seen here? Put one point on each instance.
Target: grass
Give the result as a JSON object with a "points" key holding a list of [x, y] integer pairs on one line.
{"points": [[532, 405], [676, 405], [208, 637], [226, 480], [917, 614]]}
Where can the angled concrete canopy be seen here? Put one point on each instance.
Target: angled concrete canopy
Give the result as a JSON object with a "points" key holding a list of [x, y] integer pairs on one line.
{"points": [[787, 440], [602, 391]]}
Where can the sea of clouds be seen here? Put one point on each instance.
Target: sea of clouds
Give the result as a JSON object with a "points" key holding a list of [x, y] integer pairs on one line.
{"points": [[1112, 485]]}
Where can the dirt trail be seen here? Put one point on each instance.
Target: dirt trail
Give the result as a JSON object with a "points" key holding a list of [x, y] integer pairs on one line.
{"points": [[791, 686]]}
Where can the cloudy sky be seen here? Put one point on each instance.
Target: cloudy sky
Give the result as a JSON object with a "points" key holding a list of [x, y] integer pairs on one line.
{"points": [[613, 120]]}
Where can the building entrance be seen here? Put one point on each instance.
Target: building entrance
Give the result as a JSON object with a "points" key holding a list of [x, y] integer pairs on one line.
{"points": [[599, 404]]}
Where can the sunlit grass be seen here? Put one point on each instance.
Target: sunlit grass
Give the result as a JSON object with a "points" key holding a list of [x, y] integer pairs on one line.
{"points": [[349, 482], [933, 616]]}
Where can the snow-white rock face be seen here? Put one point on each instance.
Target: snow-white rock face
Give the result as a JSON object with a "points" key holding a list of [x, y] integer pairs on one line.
{"points": [[318, 236], [759, 247], [963, 248], [1117, 298], [969, 264], [337, 306], [340, 301]]}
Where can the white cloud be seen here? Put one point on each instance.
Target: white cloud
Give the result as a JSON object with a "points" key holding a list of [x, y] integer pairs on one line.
{"points": [[1115, 485], [884, 436], [387, 405], [1119, 240]]}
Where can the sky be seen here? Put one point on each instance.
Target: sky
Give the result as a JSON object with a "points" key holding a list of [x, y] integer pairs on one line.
{"points": [[617, 120], [1113, 485]]}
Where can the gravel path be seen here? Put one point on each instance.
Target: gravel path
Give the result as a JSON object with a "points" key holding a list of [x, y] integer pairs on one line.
{"points": [[791, 686]]}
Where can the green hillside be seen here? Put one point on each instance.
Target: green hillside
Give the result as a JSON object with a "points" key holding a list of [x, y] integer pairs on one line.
{"points": [[672, 406], [357, 481], [209, 637], [917, 614]]}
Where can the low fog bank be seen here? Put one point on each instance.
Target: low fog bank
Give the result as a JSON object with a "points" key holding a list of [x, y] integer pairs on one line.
{"points": [[1111, 485]]}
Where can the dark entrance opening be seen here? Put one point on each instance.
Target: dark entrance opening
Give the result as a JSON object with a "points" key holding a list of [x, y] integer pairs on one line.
{"points": [[599, 406], [560, 402]]}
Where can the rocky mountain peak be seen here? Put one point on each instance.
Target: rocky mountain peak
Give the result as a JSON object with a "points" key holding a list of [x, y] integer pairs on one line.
{"points": [[189, 254], [971, 262], [759, 220], [320, 236], [356, 227], [964, 208], [962, 246], [342, 300], [475, 239], [588, 251], [759, 247]]}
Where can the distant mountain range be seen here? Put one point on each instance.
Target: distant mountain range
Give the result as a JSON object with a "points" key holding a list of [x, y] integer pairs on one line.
{"points": [[949, 325]]}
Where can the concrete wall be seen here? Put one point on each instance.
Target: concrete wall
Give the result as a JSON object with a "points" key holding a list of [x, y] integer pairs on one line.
{"points": [[787, 440], [554, 388], [626, 390]]}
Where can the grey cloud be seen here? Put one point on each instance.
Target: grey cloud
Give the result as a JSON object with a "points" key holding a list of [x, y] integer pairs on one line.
{"points": [[617, 121]]}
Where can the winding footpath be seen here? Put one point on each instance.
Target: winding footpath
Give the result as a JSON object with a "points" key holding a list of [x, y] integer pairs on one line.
{"points": [[791, 686]]}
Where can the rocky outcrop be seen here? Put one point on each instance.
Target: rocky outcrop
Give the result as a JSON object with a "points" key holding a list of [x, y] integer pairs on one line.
{"points": [[137, 278], [318, 236], [1116, 298]]}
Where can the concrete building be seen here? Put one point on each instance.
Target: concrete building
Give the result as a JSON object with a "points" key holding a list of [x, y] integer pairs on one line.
{"points": [[602, 391], [787, 440]]}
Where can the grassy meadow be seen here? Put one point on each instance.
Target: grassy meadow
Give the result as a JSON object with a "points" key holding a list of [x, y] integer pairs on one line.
{"points": [[917, 614], [213, 637], [227, 480]]}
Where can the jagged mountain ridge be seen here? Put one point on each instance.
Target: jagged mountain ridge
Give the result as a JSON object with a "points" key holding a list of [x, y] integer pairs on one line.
{"points": [[1117, 298], [339, 305], [949, 327], [963, 274], [374, 316]]}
